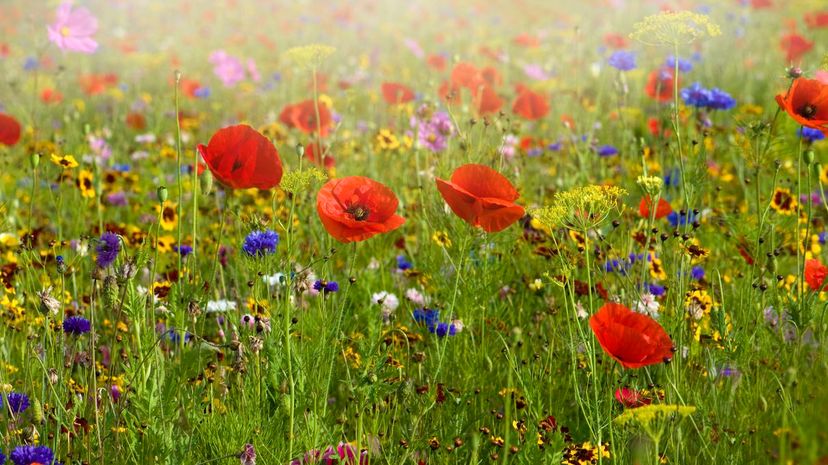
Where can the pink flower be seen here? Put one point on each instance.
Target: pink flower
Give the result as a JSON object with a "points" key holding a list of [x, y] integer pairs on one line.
{"points": [[73, 29], [227, 67]]}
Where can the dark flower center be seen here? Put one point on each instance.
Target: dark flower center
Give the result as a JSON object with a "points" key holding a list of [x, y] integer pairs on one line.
{"points": [[808, 111], [359, 212]]}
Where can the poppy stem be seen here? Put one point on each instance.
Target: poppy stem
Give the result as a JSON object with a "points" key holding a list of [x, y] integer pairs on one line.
{"points": [[178, 171]]}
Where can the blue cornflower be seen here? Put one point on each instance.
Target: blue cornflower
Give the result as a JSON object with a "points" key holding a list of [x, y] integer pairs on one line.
{"points": [[184, 250], [684, 66], [108, 249], [607, 151], [822, 236], [720, 100], [2, 458], [18, 402], [555, 147], [673, 178], [810, 134], [622, 60], [403, 263], [27, 455], [657, 290], [696, 95], [679, 219], [202, 92], [76, 325], [31, 64], [260, 243], [326, 286], [426, 316], [60, 263], [697, 273], [443, 329]]}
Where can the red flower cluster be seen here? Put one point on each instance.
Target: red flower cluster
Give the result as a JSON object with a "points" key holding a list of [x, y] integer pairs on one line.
{"points": [[9, 130]]}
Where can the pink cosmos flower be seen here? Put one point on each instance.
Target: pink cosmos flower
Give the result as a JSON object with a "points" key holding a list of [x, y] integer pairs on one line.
{"points": [[73, 29], [227, 67]]}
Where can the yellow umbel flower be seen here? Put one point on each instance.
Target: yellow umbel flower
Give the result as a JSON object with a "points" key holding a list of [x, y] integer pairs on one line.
{"points": [[674, 28]]}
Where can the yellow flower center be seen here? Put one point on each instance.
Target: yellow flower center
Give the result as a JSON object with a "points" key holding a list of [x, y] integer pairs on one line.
{"points": [[65, 31]]}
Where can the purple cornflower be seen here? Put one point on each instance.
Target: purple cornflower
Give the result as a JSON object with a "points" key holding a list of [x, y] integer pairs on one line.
{"points": [[76, 325], [108, 248], [720, 100], [117, 199], [696, 95], [184, 250], [810, 134], [606, 151], [684, 66], [28, 455], [434, 132], [697, 273], [261, 243], [248, 455], [326, 286], [18, 402], [403, 263], [622, 60]]}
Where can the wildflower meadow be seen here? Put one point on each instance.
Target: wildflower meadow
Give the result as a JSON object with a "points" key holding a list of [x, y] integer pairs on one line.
{"points": [[413, 232]]}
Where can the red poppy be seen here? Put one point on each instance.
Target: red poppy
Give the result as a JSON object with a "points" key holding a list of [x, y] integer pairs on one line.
{"points": [[9, 130], [530, 105], [630, 398], [616, 41], [241, 158], [310, 154], [663, 209], [436, 62], [94, 84], [136, 120], [302, 116], [795, 46], [815, 274], [487, 101], [816, 19], [395, 93], [527, 40], [466, 75], [807, 103], [51, 96], [355, 208], [660, 85], [481, 197], [633, 339]]}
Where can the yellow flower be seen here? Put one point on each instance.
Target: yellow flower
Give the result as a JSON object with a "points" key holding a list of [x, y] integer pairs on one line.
{"points": [[581, 208], [783, 201], [65, 162], [674, 28], [442, 239], [165, 243], [310, 56], [84, 183], [656, 269], [387, 141], [169, 216]]}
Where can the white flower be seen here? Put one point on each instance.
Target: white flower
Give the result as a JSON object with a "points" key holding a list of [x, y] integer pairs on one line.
{"points": [[415, 297], [388, 301], [648, 305], [220, 306], [695, 311], [458, 325], [580, 311], [274, 279]]}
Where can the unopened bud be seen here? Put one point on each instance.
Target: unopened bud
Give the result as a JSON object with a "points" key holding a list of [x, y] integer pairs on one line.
{"points": [[162, 194]]}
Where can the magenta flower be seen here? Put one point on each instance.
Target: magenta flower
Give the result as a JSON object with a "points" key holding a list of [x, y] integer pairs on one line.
{"points": [[227, 68], [73, 29]]}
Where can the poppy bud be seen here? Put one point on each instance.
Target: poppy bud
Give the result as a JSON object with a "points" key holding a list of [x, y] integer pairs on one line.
{"points": [[206, 179], [177, 76], [162, 194], [809, 157], [794, 72], [300, 150], [35, 160]]}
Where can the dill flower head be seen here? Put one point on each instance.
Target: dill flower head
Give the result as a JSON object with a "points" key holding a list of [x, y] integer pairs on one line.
{"points": [[674, 28], [309, 56], [647, 414], [650, 184], [299, 180], [581, 208]]}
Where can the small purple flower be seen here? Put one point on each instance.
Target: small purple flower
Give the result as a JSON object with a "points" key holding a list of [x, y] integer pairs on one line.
{"points": [[697, 273], [696, 95], [810, 134], [261, 243], [76, 325], [18, 402], [117, 199], [657, 290], [433, 133], [27, 455], [684, 66], [606, 151], [720, 100], [248, 455], [108, 248], [184, 250], [622, 60], [325, 287]]}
